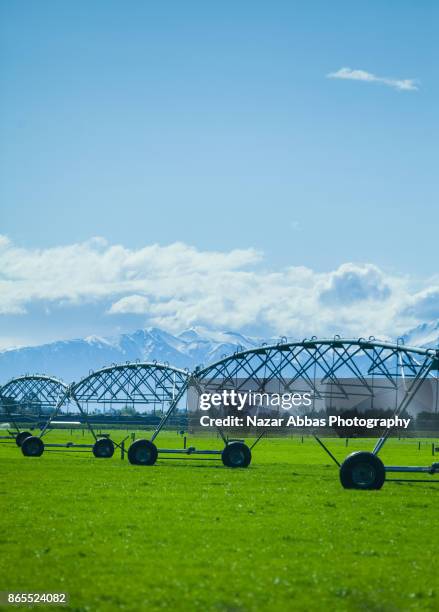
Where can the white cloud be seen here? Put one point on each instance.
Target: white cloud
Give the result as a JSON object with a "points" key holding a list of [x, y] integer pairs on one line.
{"points": [[368, 77], [178, 286], [424, 305], [131, 304], [352, 284]]}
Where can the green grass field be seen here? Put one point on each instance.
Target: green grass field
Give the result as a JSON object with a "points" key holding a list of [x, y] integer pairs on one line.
{"points": [[193, 535]]}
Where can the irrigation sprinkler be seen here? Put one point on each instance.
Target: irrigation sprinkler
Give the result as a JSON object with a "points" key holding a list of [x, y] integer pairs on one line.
{"points": [[144, 390], [156, 394], [358, 374], [35, 402], [343, 376], [26, 402]]}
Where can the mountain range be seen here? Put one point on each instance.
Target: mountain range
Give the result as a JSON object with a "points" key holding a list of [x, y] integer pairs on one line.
{"points": [[72, 359]]}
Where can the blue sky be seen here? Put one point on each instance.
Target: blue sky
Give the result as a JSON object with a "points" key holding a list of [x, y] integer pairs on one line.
{"points": [[216, 126]]}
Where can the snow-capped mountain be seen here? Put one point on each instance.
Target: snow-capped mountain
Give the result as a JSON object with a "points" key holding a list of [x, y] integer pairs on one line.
{"points": [[70, 360]]}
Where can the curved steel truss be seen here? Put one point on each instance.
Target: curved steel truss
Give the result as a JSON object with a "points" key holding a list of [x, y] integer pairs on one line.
{"points": [[131, 383], [31, 395], [160, 386], [154, 386], [328, 360]]}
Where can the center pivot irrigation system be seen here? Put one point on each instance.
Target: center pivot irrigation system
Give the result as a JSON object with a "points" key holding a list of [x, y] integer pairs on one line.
{"points": [[29, 399], [327, 368], [151, 385]]}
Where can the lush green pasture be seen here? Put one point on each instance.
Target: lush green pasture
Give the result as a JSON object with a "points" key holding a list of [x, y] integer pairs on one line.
{"points": [[193, 535]]}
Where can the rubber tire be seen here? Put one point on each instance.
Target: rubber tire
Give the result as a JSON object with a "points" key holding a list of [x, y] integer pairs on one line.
{"points": [[362, 470], [33, 446], [142, 452], [19, 438], [236, 455], [103, 448]]}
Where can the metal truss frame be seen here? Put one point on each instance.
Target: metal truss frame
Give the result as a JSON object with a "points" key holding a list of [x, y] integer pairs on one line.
{"points": [[129, 384], [37, 390], [329, 360]]}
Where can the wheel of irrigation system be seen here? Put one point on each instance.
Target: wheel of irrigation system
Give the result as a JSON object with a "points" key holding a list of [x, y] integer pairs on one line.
{"points": [[32, 447], [236, 455], [103, 448], [142, 452], [19, 438], [362, 470]]}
